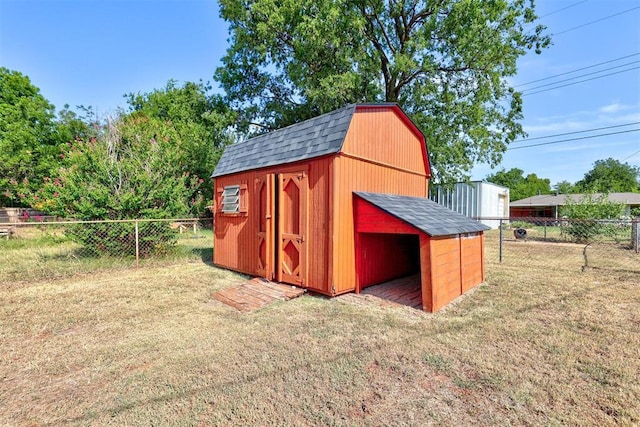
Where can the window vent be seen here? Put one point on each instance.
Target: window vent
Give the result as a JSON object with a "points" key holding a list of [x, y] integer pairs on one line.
{"points": [[231, 199]]}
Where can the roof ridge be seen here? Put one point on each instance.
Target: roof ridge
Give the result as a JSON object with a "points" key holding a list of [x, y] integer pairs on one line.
{"points": [[311, 138]]}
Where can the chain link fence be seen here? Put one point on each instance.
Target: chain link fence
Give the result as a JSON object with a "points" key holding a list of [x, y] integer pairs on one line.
{"points": [[34, 249], [565, 244]]}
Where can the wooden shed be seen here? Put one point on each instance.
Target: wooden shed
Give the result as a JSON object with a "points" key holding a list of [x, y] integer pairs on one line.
{"points": [[338, 203]]}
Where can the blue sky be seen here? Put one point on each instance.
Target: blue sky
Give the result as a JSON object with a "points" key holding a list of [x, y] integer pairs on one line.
{"points": [[92, 52]]}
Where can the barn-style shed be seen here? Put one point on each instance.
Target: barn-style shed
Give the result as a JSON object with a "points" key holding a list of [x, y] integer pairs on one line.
{"points": [[338, 203]]}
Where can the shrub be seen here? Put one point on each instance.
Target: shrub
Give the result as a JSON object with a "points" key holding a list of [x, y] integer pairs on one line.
{"points": [[132, 170], [587, 215]]}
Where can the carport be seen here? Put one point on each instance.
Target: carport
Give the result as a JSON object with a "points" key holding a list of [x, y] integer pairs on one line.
{"points": [[397, 236]]}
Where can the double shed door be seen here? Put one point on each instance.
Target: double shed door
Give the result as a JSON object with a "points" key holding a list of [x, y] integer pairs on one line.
{"points": [[282, 228]]}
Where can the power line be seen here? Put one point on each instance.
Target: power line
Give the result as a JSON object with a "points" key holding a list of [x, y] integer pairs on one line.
{"points": [[578, 69], [628, 157], [566, 7], [596, 21], [574, 139], [575, 132], [580, 76], [581, 81], [551, 13]]}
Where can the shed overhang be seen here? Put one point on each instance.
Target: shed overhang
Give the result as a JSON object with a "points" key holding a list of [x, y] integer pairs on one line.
{"points": [[419, 214]]}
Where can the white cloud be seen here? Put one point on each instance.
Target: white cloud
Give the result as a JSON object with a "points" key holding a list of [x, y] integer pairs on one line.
{"points": [[612, 108], [607, 115], [556, 127], [615, 107], [583, 146]]}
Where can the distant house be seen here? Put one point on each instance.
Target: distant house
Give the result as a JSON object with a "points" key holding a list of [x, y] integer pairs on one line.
{"points": [[549, 206], [338, 203], [476, 199]]}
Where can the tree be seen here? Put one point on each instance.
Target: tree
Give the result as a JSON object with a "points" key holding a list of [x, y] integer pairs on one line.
{"points": [[520, 187], [29, 145], [586, 211], [564, 187], [131, 170], [200, 123], [611, 176], [445, 63]]}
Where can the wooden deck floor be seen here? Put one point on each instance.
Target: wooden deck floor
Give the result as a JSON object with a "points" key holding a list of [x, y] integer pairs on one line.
{"points": [[405, 291], [256, 293]]}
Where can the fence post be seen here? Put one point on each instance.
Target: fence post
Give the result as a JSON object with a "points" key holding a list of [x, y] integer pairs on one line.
{"points": [[635, 234], [545, 229], [500, 252], [137, 246]]}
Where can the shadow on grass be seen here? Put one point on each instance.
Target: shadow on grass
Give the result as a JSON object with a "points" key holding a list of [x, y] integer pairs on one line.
{"points": [[205, 254]]}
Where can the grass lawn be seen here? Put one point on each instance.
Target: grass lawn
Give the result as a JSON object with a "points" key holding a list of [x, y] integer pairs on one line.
{"points": [[534, 346]]}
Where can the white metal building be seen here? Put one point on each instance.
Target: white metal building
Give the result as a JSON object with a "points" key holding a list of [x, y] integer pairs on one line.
{"points": [[476, 199]]}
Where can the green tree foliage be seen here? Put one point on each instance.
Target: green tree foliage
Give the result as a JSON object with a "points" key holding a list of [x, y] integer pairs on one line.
{"points": [[564, 187], [445, 63], [611, 176], [587, 209], [30, 140], [130, 170], [200, 123], [520, 187]]}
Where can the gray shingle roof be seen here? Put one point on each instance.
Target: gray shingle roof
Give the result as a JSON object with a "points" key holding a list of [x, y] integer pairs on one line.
{"points": [[315, 137], [424, 214]]}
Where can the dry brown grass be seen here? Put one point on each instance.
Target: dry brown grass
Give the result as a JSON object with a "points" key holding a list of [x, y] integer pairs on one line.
{"points": [[43, 252], [531, 347]]}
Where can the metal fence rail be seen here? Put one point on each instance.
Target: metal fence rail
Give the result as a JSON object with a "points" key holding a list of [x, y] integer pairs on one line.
{"points": [[564, 244], [34, 250]]}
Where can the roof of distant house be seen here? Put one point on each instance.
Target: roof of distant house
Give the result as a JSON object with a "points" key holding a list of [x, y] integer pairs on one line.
{"points": [[561, 199]]}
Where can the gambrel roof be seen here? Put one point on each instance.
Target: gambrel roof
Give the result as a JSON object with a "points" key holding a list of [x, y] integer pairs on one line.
{"points": [[424, 214], [311, 138]]}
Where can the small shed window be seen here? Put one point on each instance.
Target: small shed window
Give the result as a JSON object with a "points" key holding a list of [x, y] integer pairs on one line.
{"points": [[231, 199]]}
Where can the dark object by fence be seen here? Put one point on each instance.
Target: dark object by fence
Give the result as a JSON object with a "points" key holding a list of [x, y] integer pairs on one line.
{"points": [[520, 233]]}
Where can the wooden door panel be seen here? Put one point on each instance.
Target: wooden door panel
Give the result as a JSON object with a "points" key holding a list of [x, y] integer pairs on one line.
{"points": [[265, 193], [292, 228]]}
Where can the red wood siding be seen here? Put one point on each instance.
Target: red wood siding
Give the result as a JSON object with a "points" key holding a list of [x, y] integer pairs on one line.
{"points": [[356, 175], [426, 273], [384, 257], [381, 135], [532, 212], [371, 219], [236, 237], [457, 265], [471, 265], [445, 270]]}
